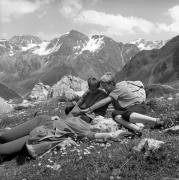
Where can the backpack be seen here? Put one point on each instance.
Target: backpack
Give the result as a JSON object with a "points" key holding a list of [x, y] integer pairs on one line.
{"points": [[137, 87]]}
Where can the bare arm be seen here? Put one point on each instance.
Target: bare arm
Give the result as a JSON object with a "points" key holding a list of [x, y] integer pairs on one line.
{"points": [[81, 100], [98, 104]]}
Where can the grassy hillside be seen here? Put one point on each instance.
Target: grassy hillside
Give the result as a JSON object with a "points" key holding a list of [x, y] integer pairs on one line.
{"points": [[94, 160]]}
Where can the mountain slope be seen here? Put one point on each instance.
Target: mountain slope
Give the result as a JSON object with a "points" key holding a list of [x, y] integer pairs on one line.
{"points": [[154, 66], [26, 60], [7, 93]]}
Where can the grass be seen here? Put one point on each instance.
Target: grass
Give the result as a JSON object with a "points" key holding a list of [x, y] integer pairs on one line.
{"points": [[94, 160]]}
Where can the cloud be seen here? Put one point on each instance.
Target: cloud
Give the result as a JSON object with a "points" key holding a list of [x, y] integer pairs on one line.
{"points": [[112, 24], [173, 27], [16, 8], [4, 35], [40, 15], [70, 8], [115, 24]]}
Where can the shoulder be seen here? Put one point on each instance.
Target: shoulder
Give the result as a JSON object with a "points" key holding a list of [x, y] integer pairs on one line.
{"points": [[101, 93], [86, 93], [121, 85]]}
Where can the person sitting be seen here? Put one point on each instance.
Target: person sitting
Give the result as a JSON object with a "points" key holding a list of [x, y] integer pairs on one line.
{"points": [[90, 97], [41, 133], [130, 108]]}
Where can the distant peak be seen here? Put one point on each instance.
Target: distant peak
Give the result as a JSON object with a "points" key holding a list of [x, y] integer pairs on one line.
{"points": [[144, 44], [73, 30], [25, 39], [97, 36], [76, 33]]}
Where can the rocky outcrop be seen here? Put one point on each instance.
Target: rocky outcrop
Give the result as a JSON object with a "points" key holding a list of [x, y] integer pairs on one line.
{"points": [[4, 106], [40, 92], [69, 87], [24, 105], [148, 144]]}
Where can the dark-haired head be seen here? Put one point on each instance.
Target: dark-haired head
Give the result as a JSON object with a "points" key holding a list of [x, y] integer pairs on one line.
{"points": [[93, 83]]}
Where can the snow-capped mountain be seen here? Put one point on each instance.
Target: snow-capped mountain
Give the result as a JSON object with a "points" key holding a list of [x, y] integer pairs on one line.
{"points": [[24, 40], [24, 60], [8, 48], [79, 43], [143, 44]]}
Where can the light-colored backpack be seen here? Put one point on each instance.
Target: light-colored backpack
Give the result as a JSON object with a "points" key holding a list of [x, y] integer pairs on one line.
{"points": [[137, 87]]}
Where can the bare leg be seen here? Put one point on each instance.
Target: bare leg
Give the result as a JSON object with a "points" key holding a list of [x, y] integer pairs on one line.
{"points": [[102, 135], [127, 124], [140, 118], [22, 129], [13, 146]]}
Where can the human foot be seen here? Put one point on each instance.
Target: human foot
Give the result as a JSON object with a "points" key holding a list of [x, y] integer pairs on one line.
{"points": [[120, 134], [158, 124]]}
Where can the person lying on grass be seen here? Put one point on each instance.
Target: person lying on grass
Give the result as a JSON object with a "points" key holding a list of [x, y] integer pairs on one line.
{"points": [[90, 97], [129, 104], [45, 132]]}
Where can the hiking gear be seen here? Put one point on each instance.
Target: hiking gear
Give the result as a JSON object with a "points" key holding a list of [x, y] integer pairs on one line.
{"points": [[128, 93]]}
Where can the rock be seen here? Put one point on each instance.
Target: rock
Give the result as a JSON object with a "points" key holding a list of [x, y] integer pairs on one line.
{"points": [[24, 105], [172, 130], [40, 92], [148, 144], [69, 87], [4, 106], [169, 178]]}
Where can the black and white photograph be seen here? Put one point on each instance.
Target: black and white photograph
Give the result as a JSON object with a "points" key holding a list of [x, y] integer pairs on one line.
{"points": [[89, 89]]}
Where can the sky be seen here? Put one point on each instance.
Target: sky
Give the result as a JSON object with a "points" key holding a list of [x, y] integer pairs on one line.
{"points": [[122, 20]]}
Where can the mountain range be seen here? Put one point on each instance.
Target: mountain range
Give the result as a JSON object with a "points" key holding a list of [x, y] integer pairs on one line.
{"points": [[142, 44], [26, 60], [154, 66]]}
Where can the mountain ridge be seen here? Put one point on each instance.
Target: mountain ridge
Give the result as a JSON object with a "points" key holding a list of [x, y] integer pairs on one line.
{"points": [[154, 66], [73, 52], [25, 60]]}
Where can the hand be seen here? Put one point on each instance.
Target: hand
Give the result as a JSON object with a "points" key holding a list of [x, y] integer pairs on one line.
{"points": [[87, 110], [76, 111]]}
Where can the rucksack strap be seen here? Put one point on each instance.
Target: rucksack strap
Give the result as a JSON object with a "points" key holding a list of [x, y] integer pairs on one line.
{"points": [[135, 84], [140, 87]]}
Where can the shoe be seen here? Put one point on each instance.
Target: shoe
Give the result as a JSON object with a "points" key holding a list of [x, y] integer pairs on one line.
{"points": [[1, 158], [120, 134], [135, 133], [159, 124], [138, 134]]}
